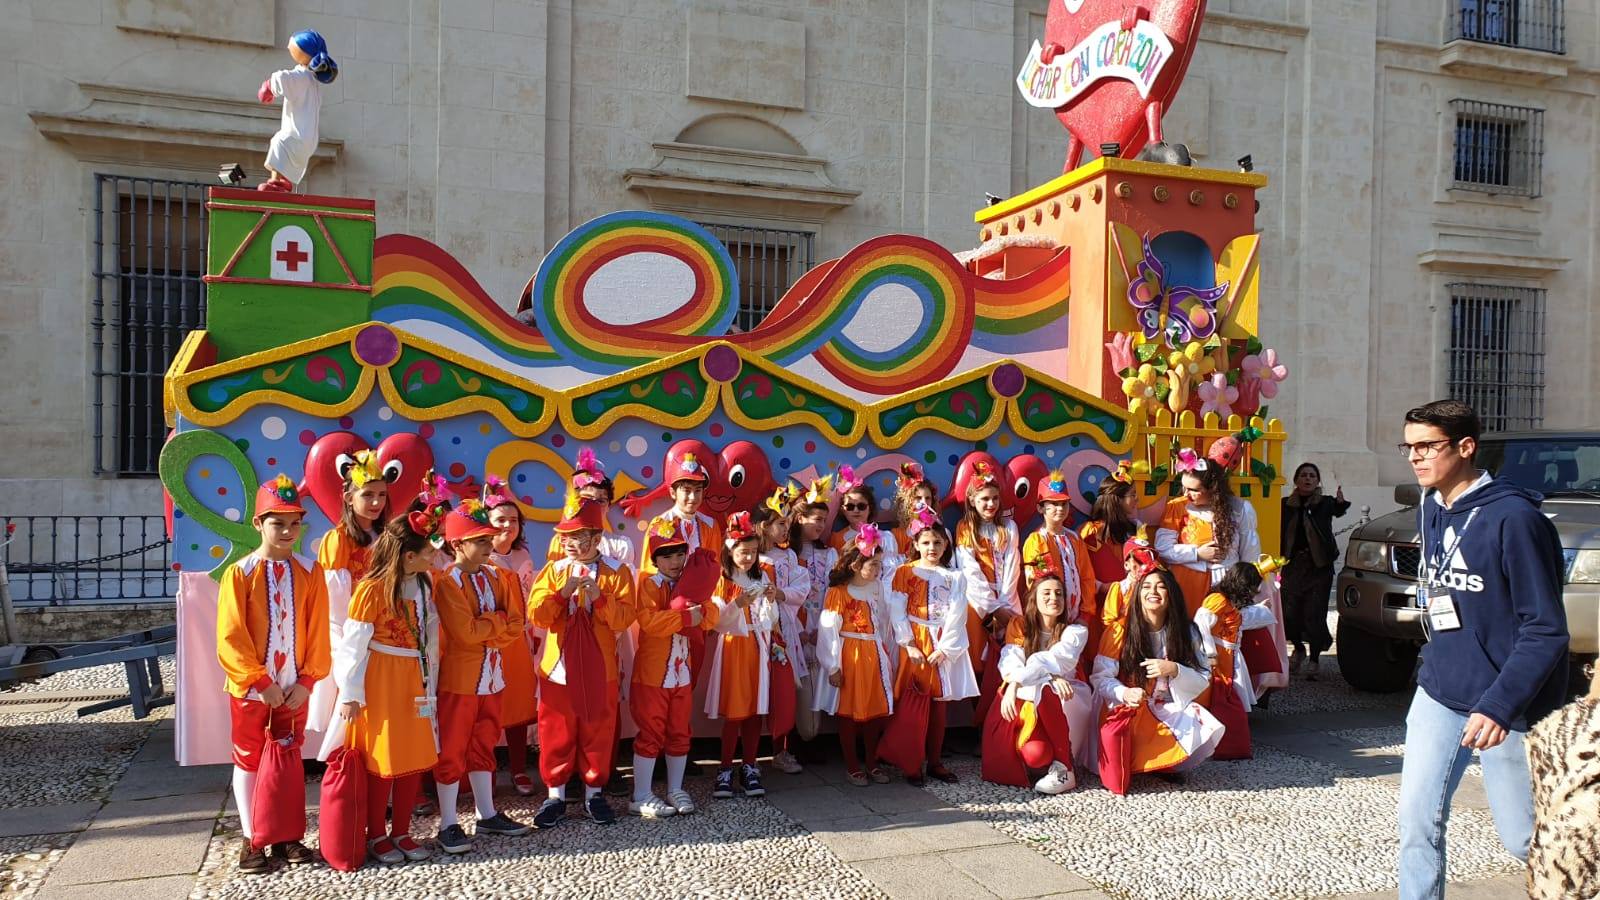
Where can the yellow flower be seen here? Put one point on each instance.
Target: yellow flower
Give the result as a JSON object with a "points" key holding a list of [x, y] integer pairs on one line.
{"points": [[1141, 390], [1185, 368]]}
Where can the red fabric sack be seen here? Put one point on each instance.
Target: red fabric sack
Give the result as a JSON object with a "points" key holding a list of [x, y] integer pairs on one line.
{"points": [[1260, 654], [695, 585], [1116, 749], [586, 668], [1229, 710], [279, 802], [780, 698], [1002, 764], [342, 822], [905, 739]]}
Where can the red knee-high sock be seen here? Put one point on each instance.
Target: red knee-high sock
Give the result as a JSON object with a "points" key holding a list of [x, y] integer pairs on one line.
{"points": [[730, 737], [870, 732], [1054, 720], [378, 806], [935, 744], [750, 731], [780, 744], [517, 749], [848, 730], [406, 788]]}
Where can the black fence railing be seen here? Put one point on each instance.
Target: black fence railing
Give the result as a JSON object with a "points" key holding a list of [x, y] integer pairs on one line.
{"points": [[87, 560], [1528, 24]]}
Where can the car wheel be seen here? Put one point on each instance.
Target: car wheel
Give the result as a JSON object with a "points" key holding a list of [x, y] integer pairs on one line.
{"points": [[1369, 662]]}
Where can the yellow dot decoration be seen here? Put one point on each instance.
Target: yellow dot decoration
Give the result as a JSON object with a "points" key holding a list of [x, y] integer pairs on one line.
{"points": [[484, 428], [216, 552], [1005, 440], [205, 473]]}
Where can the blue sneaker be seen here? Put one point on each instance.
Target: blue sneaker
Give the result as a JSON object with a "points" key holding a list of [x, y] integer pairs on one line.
{"points": [[550, 813]]}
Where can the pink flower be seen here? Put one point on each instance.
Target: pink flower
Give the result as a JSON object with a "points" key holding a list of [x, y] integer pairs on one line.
{"points": [[1266, 369], [1218, 396], [1189, 461], [1121, 350]]}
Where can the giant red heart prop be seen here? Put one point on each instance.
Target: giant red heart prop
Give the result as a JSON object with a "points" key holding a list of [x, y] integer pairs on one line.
{"points": [[965, 471], [404, 459], [1025, 475], [742, 481], [1112, 110]]}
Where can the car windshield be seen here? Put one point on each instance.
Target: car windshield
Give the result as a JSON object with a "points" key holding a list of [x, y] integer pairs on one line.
{"points": [[1551, 467]]}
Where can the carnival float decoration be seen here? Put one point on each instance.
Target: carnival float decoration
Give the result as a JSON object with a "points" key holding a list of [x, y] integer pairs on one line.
{"points": [[1107, 316]]}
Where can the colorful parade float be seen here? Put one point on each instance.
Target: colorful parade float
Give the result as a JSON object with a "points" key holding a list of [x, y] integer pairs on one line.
{"points": [[1107, 315]]}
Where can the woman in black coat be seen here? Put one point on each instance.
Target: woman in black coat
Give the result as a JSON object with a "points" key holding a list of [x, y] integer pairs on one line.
{"points": [[1309, 544]]}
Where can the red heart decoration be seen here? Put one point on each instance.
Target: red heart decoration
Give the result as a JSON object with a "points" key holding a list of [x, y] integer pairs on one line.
{"points": [[281, 659], [1112, 110], [322, 479], [414, 458]]}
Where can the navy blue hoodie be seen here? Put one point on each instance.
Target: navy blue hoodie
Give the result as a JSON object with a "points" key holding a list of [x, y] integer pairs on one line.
{"points": [[1508, 660]]}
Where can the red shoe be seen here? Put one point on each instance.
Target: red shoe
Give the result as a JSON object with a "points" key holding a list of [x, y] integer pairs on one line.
{"points": [[523, 784], [276, 185]]}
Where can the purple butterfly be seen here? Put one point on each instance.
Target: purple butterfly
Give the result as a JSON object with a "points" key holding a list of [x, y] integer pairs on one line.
{"points": [[1177, 314]]}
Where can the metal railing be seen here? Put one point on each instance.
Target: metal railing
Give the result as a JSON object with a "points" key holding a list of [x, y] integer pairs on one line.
{"points": [[767, 262], [88, 560], [149, 256], [1499, 148], [1495, 360], [1528, 24]]}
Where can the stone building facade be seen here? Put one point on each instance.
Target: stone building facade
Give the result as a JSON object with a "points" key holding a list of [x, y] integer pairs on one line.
{"points": [[1428, 191]]}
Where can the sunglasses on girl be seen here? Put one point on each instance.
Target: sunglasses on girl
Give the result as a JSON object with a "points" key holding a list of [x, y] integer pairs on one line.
{"points": [[855, 507]]}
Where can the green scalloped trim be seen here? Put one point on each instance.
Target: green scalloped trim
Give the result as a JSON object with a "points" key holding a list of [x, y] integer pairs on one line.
{"points": [[678, 391], [1044, 408], [762, 396], [966, 405], [428, 382], [326, 376]]}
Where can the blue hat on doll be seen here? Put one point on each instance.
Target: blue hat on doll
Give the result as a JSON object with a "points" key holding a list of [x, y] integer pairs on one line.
{"points": [[321, 64]]}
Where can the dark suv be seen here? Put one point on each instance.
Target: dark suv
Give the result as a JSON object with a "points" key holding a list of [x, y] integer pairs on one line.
{"points": [[1380, 626]]}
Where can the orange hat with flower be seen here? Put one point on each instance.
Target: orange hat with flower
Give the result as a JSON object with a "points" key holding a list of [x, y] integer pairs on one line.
{"points": [[581, 515], [739, 529], [278, 496], [666, 536]]}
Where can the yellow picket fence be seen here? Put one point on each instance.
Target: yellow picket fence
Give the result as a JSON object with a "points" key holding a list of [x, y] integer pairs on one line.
{"points": [[1256, 479]]}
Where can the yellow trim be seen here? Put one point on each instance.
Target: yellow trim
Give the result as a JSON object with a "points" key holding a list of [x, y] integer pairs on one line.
{"points": [[649, 414], [1240, 267], [181, 363], [464, 405], [1130, 433], [230, 412], [1101, 165], [918, 424], [800, 416]]}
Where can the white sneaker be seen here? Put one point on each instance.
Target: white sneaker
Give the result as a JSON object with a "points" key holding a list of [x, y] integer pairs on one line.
{"points": [[787, 764], [652, 807], [681, 801], [1058, 780]]}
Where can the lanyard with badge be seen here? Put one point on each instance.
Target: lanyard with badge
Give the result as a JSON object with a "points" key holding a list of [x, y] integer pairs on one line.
{"points": [[1442, 614], [425, 704]]}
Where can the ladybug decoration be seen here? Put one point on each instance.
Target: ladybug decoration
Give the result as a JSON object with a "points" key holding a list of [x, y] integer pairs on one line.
{"points": [[1110, 69]]}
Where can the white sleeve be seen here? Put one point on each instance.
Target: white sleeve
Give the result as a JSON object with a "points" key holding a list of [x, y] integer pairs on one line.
{"points": [[1206, 621], [1013, 664], [953, 631], [899, 618], [1189, 684], [794, 581], [830, 643], [1009, 569], [1062, 659], [730, 618], [350, 657], [980, 593], [1106, 686], [1249, 539], [339, 587], [1256, 615], [1168, 548]]}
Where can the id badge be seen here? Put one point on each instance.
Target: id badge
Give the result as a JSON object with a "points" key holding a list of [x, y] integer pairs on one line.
{"points": [[425, 707], [1442, 615], [1420, 600]]}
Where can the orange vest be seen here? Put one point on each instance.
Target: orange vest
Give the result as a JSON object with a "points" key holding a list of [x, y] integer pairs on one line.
{"points": [[613, 611], [243, 632]]}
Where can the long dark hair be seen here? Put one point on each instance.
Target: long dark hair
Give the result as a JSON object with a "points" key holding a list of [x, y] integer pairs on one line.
{"points": [[1137, 645], [1239, 584], [973, 521], [1224, 527], [387, 561], [797, 537], [351, 526], [849, 560], [1035, 637], [1108, 509], [913, 554]]}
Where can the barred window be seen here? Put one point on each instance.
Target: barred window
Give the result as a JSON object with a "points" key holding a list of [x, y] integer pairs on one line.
{"points": [[1499, 148], [1495, 359], [149, 258], [767, 262], [1529, 24]]}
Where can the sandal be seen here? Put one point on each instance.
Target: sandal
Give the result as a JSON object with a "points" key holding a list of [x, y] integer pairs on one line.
{"points": [[879, 776], [859, 779]]}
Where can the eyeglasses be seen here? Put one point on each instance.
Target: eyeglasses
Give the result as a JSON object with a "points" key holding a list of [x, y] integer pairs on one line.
{"points": [[1424, 449], [854, 507]]}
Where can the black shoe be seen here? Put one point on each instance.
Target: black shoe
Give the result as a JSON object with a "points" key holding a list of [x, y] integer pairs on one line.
{"points": [[724, 787], [550, 813], [453, 840], [618, 785], [294, 853], [253, 861], [752, 782], [575, 790], [600, 810], [502, 824]]}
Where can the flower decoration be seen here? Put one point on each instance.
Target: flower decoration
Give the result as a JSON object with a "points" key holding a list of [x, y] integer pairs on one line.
{"points": [[1121, 349], [363, 467], [910, 476], [664, 528], [1185, 368], [285, 489], [820, 491], [868, 539], [739, 529], [782, 500], [1260, 375], [922, 518], [475, 510], [690, 463], [1141, 390], [422, 523], [847, 479], [588, 470], [495, 493], [982, 476], [1218, 396], [1176, 314], [1267, 565], [1124, 472], [1188, 460]]}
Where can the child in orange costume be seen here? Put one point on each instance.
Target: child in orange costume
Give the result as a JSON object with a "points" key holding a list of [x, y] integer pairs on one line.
{"points": [[739, 684], [1056, 549], [1137, 557], [662, 698], [272, 642], [387, 668], [853, 655], [342, 554], [583, 601], [481, 618], [912, 490], [776, 525], [1040, 661], [511, 557], [1208, 529], [688, 478], [989, 555]]}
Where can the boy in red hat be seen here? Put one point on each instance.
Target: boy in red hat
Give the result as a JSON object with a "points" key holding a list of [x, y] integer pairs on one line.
{"points": [[662, 700], [272, 642], [584, 601], [480, 619], [1057, 548], [688, 478]]}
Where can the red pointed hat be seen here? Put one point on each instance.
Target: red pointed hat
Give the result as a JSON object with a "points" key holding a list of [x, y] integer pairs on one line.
{"points": [[470, 520], [278, 496], [667, 535], [587, 516], [687, 467], [1054, 488]]}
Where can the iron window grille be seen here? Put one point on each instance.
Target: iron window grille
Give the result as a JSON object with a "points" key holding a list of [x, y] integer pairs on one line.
{"points": [[1528, 24], [767, 262], [1499, 148], [1495, 359], [149, 258], [86, 560]]}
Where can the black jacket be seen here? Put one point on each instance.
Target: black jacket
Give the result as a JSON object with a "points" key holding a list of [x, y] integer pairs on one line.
{"points": [[1319, 513]]}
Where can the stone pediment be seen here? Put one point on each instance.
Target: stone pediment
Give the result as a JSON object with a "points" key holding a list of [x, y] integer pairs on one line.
{"points": [[699, 177]]}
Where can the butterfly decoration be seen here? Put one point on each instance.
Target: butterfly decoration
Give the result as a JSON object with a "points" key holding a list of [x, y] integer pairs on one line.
{"points": [[1176, 314]]}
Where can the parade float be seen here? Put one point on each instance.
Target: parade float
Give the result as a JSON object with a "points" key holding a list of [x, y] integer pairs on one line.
{"points": [[1107, 315]]}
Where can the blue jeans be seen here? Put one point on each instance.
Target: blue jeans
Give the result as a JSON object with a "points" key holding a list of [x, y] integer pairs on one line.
{"points": [[1432, 769]]}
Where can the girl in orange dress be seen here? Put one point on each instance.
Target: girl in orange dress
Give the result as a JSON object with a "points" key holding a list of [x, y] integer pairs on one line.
{"points": [[1151, 662], [912, 491], [929, 607], [1208, 529], [853, 659], [386, 665], [739, 683], [518, 704], [858, 504], [1113, 521], [1055, 548], [775, 522], [1039, 663], [1138, 557], [343, 554], [1227, 613], [989, 554]]}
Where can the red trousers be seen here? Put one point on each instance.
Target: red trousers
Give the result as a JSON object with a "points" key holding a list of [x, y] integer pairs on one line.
{"points": [[250, 721], [1052, 739], [568, 743], [663, 716], [469, 729], [380, 809]]}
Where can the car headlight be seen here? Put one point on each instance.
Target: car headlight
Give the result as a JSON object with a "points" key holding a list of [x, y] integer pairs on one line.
{"points": [[1368, 556], [1584, 567]]}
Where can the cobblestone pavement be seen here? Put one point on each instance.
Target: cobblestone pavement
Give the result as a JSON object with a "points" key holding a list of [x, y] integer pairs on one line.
{"points": [[96, 808]]}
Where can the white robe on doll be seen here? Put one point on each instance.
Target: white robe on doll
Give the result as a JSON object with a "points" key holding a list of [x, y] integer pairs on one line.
{"points": [[290, 152]]}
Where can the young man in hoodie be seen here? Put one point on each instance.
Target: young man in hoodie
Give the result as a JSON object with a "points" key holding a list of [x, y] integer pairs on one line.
{"points": [[1496, 658]]}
